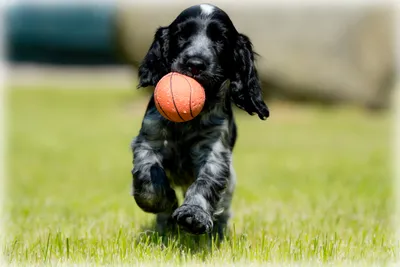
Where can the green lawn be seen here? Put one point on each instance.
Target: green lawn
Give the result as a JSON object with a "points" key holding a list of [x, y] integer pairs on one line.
{"points": [[314, 184]]}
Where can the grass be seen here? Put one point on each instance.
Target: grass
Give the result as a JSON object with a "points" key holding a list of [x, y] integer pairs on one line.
{"points": [[314, 185]]}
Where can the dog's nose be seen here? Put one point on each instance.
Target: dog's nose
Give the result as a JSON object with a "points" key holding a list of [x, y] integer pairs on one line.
{"points": [[196, 65]]}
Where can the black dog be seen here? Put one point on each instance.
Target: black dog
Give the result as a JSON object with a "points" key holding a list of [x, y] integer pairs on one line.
{"points": [[203, 43]]}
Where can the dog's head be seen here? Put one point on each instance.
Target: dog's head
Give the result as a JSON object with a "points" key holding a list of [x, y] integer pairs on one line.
{"points": [[203, 43]]}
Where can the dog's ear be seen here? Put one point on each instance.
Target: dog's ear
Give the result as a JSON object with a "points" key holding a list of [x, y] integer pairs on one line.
{"points": [[245, 85], [154, 65]]}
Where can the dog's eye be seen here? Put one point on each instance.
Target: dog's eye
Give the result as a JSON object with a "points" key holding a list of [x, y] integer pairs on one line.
{"points": [[186, 30], [215, 32]]}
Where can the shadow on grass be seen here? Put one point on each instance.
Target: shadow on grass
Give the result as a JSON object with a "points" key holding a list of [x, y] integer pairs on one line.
{"points": [[193, 245]]}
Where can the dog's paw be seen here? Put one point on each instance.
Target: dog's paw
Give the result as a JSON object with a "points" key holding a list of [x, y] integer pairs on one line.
{"points": [[193, 219]]}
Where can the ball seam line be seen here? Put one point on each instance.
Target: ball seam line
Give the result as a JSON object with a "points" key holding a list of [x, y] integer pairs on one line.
{"points": [[162, 109], [190, 97], [172, 94]]}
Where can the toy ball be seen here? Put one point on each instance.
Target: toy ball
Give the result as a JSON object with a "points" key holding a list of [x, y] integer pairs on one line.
{"points": [[179, 98]]}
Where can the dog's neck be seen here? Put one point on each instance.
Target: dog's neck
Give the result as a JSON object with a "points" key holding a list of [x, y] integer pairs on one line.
{"points": [[217, 109], [218, 97]]}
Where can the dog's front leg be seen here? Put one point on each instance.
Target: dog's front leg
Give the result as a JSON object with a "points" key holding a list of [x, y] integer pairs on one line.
{"points": [[151, 189], [212, 163]]}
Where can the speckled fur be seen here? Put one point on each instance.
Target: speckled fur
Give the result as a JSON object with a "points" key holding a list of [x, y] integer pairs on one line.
{"points": [[195, 155]]}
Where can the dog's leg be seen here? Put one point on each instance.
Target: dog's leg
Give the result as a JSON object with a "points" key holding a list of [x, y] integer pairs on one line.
{"points": [[150, 187], [223, 213], [212, 160]]}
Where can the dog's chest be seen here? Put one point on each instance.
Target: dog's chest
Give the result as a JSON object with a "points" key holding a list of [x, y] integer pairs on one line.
{"points": [[179, 143], [177, 159]]}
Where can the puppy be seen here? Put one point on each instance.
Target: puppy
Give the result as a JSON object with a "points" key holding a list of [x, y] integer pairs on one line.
{"points": [[196, 156]]}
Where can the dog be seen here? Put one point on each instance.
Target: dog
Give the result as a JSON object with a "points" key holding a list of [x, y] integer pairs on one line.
{"points": [[196, 155]]}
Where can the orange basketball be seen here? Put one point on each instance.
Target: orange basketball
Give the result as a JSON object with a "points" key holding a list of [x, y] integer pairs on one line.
{"points": [[179, 98]]}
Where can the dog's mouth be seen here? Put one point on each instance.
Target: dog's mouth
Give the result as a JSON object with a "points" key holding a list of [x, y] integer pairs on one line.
{"points": [[208, 78], [205, 75], [199, 77]]}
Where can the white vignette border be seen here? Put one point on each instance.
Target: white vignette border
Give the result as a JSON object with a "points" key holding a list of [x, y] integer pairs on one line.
{"points": [[288, 3]]}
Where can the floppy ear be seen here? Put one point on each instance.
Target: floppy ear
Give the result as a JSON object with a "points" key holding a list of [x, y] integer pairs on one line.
{"points": [[245, 86], [154, 64]]}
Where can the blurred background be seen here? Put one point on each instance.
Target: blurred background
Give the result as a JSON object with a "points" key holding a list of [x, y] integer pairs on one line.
{"points": [[330, 53], [315, 178]]}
